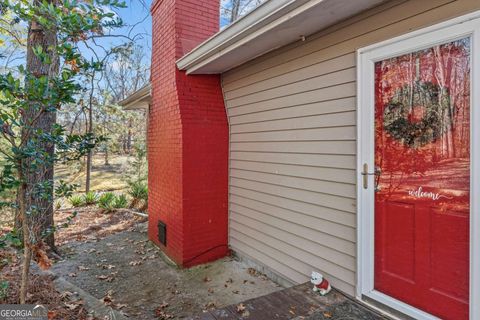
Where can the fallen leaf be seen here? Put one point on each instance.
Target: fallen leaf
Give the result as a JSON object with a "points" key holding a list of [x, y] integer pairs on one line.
{"points": [[108, 278], [327, 314], [210, 305], [72, 274], [108, 266], [162, 315], [40, 256], [83, 268], [241, 308], [292, 310], [66, 294], [51, 315], [73, 305], [236, 291], [135, 263], [207, 279], [107, 299], [210, 290]]}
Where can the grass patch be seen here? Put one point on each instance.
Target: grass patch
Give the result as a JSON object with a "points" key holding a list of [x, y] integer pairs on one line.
{"points": [[103, 178]]}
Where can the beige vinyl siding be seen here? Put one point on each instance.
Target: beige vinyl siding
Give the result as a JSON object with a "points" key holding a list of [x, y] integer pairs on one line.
{"points": [[293, 143]]}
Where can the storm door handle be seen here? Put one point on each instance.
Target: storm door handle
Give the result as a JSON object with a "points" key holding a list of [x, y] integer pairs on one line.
{"points": [[365, 175]]}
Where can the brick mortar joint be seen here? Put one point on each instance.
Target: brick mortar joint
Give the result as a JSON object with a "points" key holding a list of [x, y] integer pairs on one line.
{"points": [[154, 6]]}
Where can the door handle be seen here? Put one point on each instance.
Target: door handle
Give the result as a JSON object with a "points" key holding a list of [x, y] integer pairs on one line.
{"points": [[365, 174]]}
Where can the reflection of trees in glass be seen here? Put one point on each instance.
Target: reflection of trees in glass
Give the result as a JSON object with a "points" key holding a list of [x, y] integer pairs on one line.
{"points": [[413, 115], [422, 111]]}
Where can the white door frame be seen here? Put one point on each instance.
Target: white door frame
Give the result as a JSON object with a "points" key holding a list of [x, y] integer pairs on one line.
{"points": [[468, 25]]}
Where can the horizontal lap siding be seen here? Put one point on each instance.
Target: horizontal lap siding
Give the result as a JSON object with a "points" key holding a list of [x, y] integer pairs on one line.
{"points": [[293, 143]]}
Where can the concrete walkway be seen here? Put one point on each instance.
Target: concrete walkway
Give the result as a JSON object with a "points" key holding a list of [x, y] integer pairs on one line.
{"points": [[127, 273], [297, 303]]}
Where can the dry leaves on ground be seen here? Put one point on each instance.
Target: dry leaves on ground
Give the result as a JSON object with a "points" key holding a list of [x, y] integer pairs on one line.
{"points": [[135, 263], [41, 290], [91, 224], [161, 313], [210, 305]]}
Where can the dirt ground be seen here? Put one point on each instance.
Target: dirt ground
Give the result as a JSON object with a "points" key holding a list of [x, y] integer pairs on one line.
{"points": [[41, 290], [125, 270]]}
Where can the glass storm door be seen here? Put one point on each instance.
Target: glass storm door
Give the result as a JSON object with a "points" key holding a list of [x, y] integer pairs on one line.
{"points": [[422, 178]]}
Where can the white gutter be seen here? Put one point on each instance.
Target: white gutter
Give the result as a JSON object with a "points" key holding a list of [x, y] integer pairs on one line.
{"points": [[274, 24], [140, 99], [244, 27]]}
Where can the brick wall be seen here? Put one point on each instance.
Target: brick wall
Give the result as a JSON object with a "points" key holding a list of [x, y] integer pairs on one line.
{"points": [[187, 138]]}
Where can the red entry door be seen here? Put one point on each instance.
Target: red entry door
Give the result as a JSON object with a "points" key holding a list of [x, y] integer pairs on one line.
{"points": [[422, 158]]}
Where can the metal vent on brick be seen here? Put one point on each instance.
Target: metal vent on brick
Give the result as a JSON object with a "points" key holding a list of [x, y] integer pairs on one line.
{"points": [[162, 233]]}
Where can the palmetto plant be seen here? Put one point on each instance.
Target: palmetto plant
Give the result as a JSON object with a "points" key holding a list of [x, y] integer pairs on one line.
{"points": [[76, 201], [90, 198], [105, 201], [120, 202], [109, 202], [139, 192]]}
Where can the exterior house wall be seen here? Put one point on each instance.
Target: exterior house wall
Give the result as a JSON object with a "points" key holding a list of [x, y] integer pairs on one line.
{"points": [[187, 138], [292, 116]]}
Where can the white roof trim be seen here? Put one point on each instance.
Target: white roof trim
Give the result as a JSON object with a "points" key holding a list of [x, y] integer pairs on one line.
{"points": [[140, 99], [273, 24], [241, 28]]}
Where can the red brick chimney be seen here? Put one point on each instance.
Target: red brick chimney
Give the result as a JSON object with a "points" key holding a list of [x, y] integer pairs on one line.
{"points": [[187, 139]]}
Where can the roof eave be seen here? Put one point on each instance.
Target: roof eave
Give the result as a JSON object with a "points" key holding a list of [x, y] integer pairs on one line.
{"points": [[258, 32], [233, 33], [138, 100]]}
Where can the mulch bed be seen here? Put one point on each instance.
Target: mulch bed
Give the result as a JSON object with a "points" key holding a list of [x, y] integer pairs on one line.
{"points": [[91, 223]]}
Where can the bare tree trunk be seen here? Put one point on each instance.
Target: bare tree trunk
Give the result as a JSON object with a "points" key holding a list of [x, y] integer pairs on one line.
{"points": [[129, 137], [106, 162], [90, 130]]}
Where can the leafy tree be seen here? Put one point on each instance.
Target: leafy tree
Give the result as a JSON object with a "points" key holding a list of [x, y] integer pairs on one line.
{"points": [[13, 41], [32, 141]]}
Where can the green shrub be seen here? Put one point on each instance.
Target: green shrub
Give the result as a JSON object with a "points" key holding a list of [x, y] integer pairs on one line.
{"points": [[4, 289], [139, 192], [90, 198], [76, 201], [120, 201], [106, 200]]}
